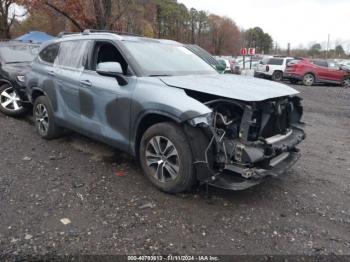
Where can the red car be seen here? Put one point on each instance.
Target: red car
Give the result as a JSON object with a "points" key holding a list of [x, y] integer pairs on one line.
{"points": [[311, 71]]}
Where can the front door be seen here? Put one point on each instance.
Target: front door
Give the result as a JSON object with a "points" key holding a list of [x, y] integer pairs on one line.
{"points": [[104, 104]]}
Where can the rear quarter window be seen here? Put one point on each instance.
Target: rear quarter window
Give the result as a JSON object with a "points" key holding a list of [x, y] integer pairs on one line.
{"points": [[275, 61], [49, 53]]}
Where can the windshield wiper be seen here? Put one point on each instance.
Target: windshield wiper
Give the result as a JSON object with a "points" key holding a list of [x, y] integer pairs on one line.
{"points": [[18, 62], [160, 75]]}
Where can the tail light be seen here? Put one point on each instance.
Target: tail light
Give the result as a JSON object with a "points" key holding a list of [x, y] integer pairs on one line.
{"points": [[267, 68]]}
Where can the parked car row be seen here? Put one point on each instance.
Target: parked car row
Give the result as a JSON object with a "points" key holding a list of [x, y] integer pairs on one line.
{"points": [[15, 59], [307, 71], [311, 71], [164, 104]]}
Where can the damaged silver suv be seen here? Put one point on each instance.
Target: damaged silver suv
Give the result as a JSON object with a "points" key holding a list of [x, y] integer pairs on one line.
{"points": [[160, 102]]}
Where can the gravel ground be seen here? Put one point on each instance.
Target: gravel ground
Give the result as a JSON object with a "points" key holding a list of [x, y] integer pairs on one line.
{"points": [[111, 208]]}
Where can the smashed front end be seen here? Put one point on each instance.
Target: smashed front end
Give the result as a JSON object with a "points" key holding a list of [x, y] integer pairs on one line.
{"points": [[241, 143]]}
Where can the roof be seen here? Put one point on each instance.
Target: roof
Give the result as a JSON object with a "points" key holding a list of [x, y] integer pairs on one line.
{"points": [[35, 37], [121, 36]]}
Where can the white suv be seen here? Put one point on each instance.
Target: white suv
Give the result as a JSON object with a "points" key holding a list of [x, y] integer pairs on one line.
{"points": [[272, 67]]}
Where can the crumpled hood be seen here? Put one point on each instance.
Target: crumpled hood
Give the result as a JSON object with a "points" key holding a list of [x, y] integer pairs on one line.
{"points": [[231, 86]]}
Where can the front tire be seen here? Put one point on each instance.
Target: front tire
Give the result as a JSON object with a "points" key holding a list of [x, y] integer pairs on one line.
{"points": [[308, 79], [10, 102], [166, 157], [346, 82], [44, 119]]}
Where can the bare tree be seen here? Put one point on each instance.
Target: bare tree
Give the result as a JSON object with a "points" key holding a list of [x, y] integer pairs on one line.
{"points": [[97, 14], [7, 17]]}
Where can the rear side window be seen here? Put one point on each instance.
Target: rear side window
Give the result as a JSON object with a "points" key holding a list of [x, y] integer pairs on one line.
{"points": [[293, 62], [322, 63], [49, 53], [72, 54], [275, 61]]}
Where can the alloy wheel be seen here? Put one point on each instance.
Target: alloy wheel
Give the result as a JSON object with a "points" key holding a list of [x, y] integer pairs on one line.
{"points": [[163, 158], [346, 82], [308, 79], [10, 100], [42, 119]]}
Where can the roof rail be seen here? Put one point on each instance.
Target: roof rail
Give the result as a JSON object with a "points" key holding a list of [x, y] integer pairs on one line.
{"points": [[63, 33], [89, 31]]}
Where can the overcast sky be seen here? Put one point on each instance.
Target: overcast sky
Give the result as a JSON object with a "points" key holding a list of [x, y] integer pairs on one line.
{"points": [[295, 21]]}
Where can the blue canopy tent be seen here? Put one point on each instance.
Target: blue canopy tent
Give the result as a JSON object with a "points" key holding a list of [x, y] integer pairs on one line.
{"points": [[35, 37]]}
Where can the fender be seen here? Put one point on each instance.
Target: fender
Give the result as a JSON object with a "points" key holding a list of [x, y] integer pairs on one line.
{"points": [[135, 129]]}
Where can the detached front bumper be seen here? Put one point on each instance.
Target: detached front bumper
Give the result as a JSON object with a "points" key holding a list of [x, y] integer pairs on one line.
{"points": [[228, 181], [240, 177]]}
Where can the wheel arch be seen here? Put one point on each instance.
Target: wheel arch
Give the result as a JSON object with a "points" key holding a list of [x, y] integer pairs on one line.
{"points": [[35, 93], [277, 71], [147, 120], [4, 82], [311, 73]]}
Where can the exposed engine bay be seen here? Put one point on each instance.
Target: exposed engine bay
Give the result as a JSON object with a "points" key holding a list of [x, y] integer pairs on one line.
{"points": [[250, 140]]}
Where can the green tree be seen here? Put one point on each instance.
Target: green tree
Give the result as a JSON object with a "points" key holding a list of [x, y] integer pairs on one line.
{"points": [[193, 23], [315, 50], [258, 39], [339, 51]]}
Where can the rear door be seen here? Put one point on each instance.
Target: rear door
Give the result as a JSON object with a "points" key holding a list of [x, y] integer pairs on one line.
{"points": [[69, 66], [321, 69]]}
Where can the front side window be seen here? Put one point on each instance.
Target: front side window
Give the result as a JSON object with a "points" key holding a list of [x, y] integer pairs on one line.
{"points": [[17, 53], [72, 54], [156, 58], [49, 53], [107, 52]]}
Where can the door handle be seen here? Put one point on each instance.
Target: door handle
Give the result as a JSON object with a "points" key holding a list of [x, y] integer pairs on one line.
{"points": [[51, 73], [86, 83]]}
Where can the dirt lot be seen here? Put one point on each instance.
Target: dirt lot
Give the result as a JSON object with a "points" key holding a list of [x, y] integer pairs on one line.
{"points": [[113, 209]]}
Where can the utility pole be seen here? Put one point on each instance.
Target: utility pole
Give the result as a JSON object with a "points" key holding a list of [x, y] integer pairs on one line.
{"points": [[288, 49], [327, 46]]}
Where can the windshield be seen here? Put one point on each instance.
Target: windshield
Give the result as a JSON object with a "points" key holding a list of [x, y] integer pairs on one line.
{"points": [[18, 53], [157, 59]]}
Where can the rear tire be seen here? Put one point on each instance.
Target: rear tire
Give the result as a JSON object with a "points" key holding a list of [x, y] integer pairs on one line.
{"points": [[277, 76], [308, 79], [10, 103], [45, 120], [166, 157]]}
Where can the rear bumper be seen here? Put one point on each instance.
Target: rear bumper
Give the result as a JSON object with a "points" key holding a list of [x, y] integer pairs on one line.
{"points": [[292, 76]]}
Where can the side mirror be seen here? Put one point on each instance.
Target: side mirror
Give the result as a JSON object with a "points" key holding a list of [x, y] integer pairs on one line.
{"points": [[113, 69]]}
